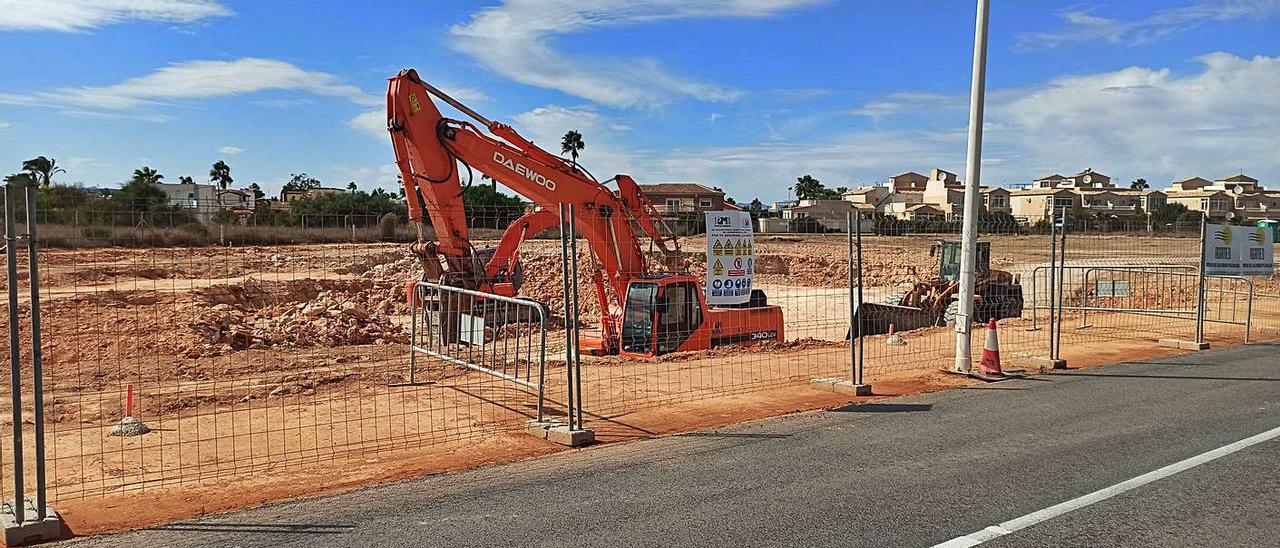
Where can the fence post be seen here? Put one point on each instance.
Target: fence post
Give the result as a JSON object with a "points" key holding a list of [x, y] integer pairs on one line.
{"points": [[1062, 282], [577, 350], [1200, 281], [570, 317], [15, 355], [37, 355], [1053, 275]]}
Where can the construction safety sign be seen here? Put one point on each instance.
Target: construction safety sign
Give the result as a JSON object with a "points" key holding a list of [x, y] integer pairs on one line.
{"points": [[730, 257], [1238, 251]]}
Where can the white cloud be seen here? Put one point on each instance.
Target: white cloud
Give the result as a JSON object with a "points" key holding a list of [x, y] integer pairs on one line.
{"points": [[714, 117], [230, 150], [194, 80], [79, 15], [372, 123], [1144, 121], [4, 126], [515, 39], [897, 103], [367, 177], [1082, 26], [1139, 122]]}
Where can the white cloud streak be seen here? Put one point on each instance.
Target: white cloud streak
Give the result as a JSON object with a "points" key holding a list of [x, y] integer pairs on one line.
{"points": [[1136, 122], [1085, 27], [81, 15], [515, 40], [230, 150], [193, 80]]}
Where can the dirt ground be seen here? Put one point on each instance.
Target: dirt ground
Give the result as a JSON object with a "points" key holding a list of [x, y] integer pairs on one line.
{"points": [[262, 368]]}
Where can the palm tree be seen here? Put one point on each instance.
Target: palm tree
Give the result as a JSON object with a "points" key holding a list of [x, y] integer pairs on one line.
{"points": [[351, 187], [808, 188], [42, 169], [1140, 184], [220, 174], [186, 180], [571, 144], [147, 175]]}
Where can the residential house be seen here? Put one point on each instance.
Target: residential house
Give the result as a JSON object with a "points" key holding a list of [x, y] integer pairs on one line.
{"points": [[1190, 183], [1034, 204], [921, 212], [1115, 202], [832, 214], [675, 198], [868, 194], [907, 181], [1217, 204], [198, 198], [1244, 182], [1236, 196], [1257, 206], [1085, 179], [236, 199], [195, 196], [896, 204], [996, 200]]}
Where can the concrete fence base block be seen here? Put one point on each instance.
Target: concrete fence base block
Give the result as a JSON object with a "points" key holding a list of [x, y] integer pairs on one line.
{"points": [[560, 433], [841, 387], [1048, 363], [1184, 345], [32, 530]]}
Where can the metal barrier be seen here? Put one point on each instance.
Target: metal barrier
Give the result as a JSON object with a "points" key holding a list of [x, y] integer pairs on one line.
{"points": [[1091, 294], [1059, 280], [496, 335]]}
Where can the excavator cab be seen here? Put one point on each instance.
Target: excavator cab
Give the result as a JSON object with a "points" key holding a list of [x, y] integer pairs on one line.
{"points": [[661, 315], [949, 259], [668, 313]]}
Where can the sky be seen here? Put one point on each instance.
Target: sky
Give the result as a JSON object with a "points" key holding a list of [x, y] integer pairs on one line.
{"points": [[745, 95]]}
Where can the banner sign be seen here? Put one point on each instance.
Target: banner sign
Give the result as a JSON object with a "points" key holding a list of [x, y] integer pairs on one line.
{"points": [[1238, 251], [730, 257]]}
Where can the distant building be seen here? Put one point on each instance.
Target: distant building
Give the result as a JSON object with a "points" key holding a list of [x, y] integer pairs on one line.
{"points": [[1234, 197], [675, 198], [1085, 179], [200, 199]]}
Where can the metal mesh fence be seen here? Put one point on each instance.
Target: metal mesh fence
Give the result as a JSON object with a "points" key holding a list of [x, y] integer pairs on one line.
{"points": [[256, 345]]}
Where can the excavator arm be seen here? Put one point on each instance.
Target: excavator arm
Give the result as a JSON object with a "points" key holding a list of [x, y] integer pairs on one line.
{"points": [[429, 150]]}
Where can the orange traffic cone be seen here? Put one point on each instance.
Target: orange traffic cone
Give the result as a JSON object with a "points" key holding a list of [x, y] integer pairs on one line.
{"points": [[991, 351]]}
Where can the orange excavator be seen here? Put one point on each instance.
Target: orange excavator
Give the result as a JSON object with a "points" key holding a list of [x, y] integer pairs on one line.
{"points": [[643, 313]]}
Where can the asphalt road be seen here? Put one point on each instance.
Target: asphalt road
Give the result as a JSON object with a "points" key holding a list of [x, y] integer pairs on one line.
{"points": [[913, 471]]}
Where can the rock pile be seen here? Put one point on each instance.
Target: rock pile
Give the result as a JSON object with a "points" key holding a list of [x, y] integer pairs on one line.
{"points": [[340, 316]]}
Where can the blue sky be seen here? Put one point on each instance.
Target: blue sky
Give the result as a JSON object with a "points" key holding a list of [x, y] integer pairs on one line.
{"points": [[741, 94]]}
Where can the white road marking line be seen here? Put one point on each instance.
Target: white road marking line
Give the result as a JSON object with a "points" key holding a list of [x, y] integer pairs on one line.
{"points": [[1001, 529]]}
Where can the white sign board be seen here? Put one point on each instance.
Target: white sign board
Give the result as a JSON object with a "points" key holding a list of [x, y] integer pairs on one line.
{"points": [[1238, 251], [730, 257]]}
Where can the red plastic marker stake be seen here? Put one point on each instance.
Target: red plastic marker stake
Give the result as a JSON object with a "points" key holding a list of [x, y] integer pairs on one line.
{"points": [[128, 402]]}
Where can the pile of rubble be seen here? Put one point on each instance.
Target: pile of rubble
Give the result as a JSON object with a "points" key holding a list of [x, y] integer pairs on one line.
{"points": [[296, 316]]}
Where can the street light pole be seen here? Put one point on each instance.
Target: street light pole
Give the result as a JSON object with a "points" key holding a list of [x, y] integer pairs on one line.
{"points": [[973, 173]]}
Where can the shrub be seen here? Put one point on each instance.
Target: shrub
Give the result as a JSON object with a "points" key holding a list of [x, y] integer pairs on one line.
{"points": [[387, 226]]}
